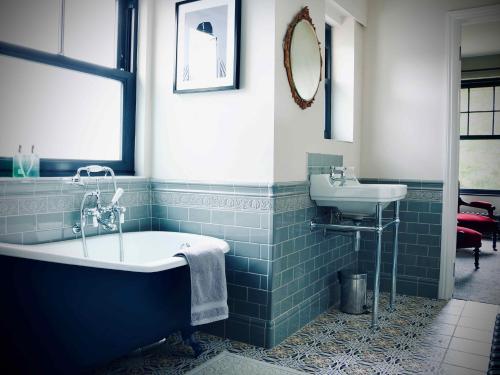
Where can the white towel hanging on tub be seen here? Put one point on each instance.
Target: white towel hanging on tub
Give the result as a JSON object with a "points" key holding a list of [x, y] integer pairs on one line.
{"points": [[208, 283]]}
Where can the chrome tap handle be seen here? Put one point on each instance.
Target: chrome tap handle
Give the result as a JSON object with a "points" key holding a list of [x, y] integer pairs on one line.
{"points": [[335, 170], [120, 211], [122, 215], [95, 168], [117, 196]]}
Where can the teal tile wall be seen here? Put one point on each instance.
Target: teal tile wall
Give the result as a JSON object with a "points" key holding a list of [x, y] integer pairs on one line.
{"points": [[321, 163], [280, 275], [44, 210], [419, 241], [305, 265], [241, 215]]}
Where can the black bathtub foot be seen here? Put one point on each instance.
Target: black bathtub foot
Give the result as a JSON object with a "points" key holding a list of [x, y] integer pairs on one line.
{"points": [[189, 339]]}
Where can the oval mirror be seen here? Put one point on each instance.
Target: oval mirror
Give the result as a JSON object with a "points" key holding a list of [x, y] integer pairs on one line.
{"points": [[303, 61]]}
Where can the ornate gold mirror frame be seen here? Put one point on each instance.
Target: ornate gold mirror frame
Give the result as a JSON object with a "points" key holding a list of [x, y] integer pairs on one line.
{"points": [[303, 15]]}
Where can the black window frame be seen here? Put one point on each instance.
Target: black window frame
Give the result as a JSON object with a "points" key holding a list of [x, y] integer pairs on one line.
{"points": [[475, 83], [125, 72], [328, 81]]}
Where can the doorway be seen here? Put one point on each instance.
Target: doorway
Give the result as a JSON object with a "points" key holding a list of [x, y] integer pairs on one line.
{"points": [[457, 22]]}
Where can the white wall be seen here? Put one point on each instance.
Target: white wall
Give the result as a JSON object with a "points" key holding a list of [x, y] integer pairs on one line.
{"points": [[481, 39], [300, 131], [405, 88], [224, 136], [255, 134], [356, 8]]}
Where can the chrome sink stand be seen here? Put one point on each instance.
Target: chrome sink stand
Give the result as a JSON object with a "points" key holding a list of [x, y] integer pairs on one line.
{"points": [[378, 228]]}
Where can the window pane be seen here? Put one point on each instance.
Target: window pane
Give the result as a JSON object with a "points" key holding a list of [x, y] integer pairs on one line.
{"points": [[463, 100], [480, 123], [497, 123], [30, 23], [463, 124], [481, 99], [90, 31], [64, 113], [479, 166]]}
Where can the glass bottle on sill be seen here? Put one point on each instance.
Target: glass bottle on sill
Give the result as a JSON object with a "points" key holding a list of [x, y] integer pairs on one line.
{"points": [[18, 164]]}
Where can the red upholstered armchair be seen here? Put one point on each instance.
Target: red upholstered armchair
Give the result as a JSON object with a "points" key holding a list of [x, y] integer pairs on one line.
{"points": [[480, 223], [467, 238], [478, 204]]}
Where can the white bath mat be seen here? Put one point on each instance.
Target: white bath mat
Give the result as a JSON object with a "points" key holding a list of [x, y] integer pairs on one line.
{"points": [[227, 363]]}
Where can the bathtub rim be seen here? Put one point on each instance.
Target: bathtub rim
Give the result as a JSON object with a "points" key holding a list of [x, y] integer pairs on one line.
{"points": [[28, 252]]}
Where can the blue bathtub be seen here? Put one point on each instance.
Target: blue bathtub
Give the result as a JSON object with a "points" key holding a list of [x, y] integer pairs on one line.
{"points": [[63, 313]]}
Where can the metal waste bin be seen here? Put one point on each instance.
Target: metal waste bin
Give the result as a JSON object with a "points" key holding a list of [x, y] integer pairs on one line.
{"points": [[353, 292]]}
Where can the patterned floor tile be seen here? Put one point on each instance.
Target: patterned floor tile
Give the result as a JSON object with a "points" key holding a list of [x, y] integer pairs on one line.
{"points": [[335, 343]]}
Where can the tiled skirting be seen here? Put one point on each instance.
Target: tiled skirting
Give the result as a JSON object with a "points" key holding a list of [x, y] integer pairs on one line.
{"points": [[419, 241]]}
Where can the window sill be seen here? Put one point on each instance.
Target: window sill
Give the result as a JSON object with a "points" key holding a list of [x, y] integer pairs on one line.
{"points": [[485, 192]]}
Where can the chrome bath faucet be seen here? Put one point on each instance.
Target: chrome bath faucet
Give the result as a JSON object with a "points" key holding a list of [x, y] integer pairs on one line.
{"points": [[110, 217]]}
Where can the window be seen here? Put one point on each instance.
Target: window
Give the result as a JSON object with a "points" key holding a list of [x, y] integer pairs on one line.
{"points": [[480, 135], [328, 81], [68, 83], [342, 78]]}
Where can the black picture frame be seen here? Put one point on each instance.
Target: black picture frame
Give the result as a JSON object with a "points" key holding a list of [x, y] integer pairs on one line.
{"points": [[227, 65]]}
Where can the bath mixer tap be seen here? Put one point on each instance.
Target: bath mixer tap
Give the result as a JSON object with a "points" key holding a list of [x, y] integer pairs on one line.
{"points": [[110, 216], [105, 215]]}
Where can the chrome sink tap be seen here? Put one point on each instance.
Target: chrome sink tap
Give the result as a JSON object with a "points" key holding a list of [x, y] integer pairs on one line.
{"points": [[342, 175], [337, 174]]}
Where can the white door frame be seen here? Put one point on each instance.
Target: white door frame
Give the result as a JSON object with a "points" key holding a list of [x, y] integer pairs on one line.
{"points": [[454, 22]]}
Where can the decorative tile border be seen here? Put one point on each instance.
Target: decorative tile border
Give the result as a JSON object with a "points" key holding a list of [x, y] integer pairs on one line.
{"points": [[293, 202], [212, 201], [288, 196], [239, 189], [425, 195]]}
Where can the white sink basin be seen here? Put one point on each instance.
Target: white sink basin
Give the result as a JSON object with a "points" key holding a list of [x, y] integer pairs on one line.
{"points": [[352, 198]]}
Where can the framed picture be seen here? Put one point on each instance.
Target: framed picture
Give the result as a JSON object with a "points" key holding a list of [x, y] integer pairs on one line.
{"points": [[207, 48]]}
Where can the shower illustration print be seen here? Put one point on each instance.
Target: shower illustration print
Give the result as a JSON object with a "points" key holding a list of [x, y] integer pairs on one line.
{"points": [[207, 45]]}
